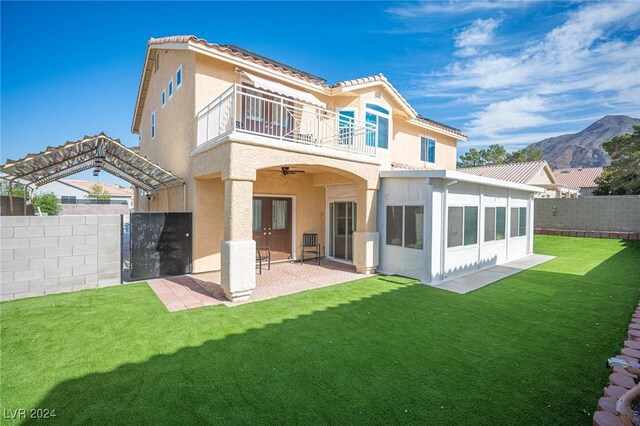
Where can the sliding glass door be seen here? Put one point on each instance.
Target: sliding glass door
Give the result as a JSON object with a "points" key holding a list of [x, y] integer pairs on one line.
{"points": [[342, 223]]}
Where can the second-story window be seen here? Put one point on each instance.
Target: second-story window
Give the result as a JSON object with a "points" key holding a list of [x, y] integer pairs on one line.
{"points": [[427, 149], [164, 97], [179, 77], [379, 116], [153, 125], [170, 88]]}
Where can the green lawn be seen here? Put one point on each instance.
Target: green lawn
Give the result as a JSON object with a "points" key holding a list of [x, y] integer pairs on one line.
{"points": [[530, 349]]}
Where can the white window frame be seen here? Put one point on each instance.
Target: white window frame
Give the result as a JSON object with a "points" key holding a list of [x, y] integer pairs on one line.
{"points": [[170, 88], [153, 125], [388, 116], [435, 145], [463, 246], [163, 97], [526, 218], [495, 225], [404, 217], [179, 71]]}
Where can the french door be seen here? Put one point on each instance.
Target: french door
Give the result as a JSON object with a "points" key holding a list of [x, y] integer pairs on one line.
{"points": [[342, 223], [272, 225]]}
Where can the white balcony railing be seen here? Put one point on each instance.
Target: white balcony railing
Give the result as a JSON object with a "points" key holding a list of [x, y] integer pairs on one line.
{"points": [[249, 110]]}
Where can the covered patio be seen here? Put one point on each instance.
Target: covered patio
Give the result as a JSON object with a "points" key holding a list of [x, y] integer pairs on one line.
{"points": [[199, 290]]}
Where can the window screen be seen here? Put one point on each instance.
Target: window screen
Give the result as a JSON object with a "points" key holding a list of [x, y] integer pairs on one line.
{"points": [[522, 228], [513, 226], [413, 226], [470, 225], [500, 222], [454, 232], [489, 223], [394, 225]]}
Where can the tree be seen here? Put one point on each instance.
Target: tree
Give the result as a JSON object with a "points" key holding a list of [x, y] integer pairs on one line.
{"points": [[48, 203], [622, 176], [524, 155], [17, 189], [97, 193], [497, 154], [494, 154], [471, 158]]}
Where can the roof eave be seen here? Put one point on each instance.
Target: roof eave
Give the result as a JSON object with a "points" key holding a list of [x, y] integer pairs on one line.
{"points": [[460, 177]]}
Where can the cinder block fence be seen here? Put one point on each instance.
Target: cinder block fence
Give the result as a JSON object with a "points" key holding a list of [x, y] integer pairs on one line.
{"points": [[54, 254], [602, 217]]}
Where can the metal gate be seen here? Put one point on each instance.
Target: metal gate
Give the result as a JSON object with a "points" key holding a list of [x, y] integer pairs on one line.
{"points": [[156, 245]]}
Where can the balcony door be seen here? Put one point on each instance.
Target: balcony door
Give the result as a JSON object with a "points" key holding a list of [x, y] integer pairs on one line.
{"points": [[272, 225], [342, 223]]}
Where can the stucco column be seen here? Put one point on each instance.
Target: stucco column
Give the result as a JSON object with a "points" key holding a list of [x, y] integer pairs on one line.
{"points": [[366, 240], [238, 249]]}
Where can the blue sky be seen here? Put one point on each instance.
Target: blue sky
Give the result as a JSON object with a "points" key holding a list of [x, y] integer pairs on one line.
{"points": [[502, 71]]}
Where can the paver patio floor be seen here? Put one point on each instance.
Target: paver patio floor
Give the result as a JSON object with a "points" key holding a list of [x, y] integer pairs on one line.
{"points": [[198, 290]]}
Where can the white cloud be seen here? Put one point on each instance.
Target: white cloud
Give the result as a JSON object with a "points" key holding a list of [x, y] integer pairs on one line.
{"points": [[453, 7], [498, 117], [478, 34], [577, 66]]}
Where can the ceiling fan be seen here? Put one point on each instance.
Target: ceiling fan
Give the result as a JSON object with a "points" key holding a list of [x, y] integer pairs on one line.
{"points": [[286, 171]]}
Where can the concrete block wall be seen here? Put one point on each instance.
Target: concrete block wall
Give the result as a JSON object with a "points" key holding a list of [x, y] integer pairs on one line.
{"points": [[54, 254], [605, 213]]}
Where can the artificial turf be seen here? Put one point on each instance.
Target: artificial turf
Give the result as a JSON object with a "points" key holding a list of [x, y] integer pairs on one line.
{"points": [[529, 349]]}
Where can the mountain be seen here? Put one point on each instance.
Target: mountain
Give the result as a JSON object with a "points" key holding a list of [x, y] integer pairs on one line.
{"points": [[584, 149]]}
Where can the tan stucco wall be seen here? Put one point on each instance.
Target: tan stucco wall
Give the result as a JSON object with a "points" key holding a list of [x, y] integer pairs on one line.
{"points": [[175, 123], [208, 214]]}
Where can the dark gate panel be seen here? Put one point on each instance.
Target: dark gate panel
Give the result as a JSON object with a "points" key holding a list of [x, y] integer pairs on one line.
{"points": [[160, 245]]}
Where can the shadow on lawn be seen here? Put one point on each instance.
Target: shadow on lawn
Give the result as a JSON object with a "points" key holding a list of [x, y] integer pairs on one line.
{"points": [[401, 356]]}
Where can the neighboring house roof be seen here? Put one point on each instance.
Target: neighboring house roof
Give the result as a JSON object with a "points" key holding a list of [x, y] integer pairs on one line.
{"points": [[514, 172], [314, 82], [111, 189], [583, 177]]}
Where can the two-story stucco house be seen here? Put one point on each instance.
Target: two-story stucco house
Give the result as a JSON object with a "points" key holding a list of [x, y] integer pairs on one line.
{"points": [[268, 152]]}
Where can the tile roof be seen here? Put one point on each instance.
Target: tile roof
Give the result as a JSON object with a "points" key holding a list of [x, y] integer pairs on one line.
{"points": [[514, 172], [111, 189], [582, 177], [382, 79], [243, 54], [287, 69]]}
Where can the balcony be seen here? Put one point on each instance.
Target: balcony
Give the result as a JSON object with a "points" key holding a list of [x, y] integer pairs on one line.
{"points": [[253, 111]]}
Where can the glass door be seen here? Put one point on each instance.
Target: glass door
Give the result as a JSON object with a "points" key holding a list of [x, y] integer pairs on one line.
{"points": [[342, 223]]}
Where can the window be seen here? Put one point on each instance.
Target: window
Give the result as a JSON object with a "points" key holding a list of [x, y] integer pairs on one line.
{"points": [[153, 125], [407, 222], [257, 215], [518, 221], [380, 117], [413, 226], [427, 149], [164, 97], [279, 209], [179, 77], [463, 226], [394, 225], [346, 120], [170, 88], [68, 199], [494, 223]]}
